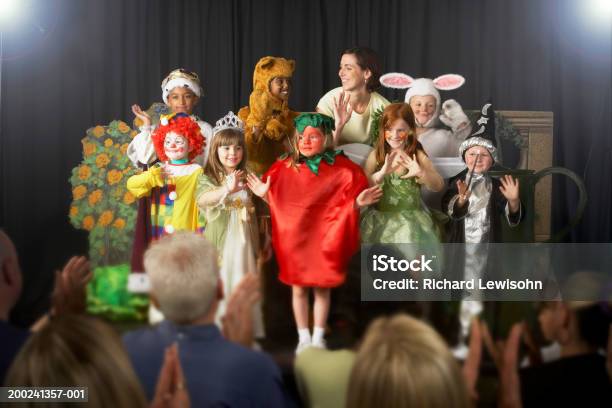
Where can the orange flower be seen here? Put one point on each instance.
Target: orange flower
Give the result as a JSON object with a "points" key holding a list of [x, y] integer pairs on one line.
{"points": [[95, 197], [119, 223], [98, 131], [74, 211], [84, 172], [102, 160], [123, 148], [133, 133], [79, 192], [138, 122], [114, 176], [123, 127], [89, 148], [128, 198], [105, 218], [108, 142], [88, 223]]}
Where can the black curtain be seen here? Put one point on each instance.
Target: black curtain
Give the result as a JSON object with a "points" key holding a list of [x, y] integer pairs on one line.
{"points": [[69, 65]]}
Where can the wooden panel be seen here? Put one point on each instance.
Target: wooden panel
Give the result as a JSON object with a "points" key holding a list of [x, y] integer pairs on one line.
{"points": [[537, 129]]}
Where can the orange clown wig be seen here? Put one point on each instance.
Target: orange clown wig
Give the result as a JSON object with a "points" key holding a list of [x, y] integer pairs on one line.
{"points": [[183, 125]]}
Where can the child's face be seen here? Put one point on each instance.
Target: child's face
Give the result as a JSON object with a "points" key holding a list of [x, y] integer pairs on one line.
{"points": [[424, 107], [230, 156], [397, 133], [280, 87], [176, 146], [182, 100], [474, 153], [311, 141]]}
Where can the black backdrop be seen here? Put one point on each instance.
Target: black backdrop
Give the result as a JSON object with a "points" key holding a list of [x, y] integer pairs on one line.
{"points": [[72, 64]]}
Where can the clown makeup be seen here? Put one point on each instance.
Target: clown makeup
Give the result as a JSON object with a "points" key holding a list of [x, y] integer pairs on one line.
{"points": [[280, 87], [182, 100], [352, 76], [396, 134], [230, 156], [424, 107], [479, 155], [176, 147], [311, 141]]}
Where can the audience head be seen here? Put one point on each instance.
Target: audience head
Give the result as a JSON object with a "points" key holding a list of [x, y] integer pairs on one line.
{"points": [[75, 350], [10, 276], [184, 276], [402, 362], [584, 316]]}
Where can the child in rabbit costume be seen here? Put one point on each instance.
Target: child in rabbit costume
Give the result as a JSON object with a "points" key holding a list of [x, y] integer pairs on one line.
{"points": [[268, 119], [430, 113]]}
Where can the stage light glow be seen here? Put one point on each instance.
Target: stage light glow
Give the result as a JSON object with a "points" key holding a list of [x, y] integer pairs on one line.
{"points": [[9, 12], [601, 9]]}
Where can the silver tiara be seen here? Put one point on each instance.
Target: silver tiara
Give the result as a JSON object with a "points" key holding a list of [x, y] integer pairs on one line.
{"points": [[229, 121]]}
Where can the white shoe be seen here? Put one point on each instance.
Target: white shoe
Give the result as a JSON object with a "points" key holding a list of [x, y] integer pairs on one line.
{"points": [[320, 344], [303, 345]]}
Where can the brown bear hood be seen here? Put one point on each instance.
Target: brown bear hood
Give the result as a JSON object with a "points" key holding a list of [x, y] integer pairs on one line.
{"points": [[270, 67]]}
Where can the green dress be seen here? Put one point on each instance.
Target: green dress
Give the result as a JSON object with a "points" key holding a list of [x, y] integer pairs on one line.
{"points": [[399, 216]]}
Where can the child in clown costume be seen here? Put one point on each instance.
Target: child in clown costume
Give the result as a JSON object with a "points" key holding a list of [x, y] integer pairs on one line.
{"points": [[181, 91], [314, 197], [172, 183]]}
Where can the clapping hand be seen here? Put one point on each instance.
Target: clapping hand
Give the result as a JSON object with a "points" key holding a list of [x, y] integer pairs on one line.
{"points": [[238, 318], [69, 294], [369, 196], [233, 182], [259, 188], [142, 115], [171, 391], [412, 165]]}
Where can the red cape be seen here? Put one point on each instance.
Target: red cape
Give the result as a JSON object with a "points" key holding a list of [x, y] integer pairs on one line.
{"points": [[315, 224]]}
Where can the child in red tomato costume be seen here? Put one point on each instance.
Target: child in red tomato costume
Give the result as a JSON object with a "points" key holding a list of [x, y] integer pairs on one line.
{"points": [[314, 197]]}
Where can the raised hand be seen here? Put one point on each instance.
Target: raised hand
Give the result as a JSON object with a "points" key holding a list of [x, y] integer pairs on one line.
{"points": [[238, 318], [258, 188], [69, 294], [342, 110], [463, 192], [412, 165], [369, 196], [510, 189], [142, 115], [233, 182]]}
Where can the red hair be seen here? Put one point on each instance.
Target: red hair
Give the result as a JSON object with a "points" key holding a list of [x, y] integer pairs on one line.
{"points": [[184, 126], [392, 113]]}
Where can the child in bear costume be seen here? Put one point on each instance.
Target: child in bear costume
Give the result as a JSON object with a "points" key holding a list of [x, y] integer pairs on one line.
{"points": [[268, 119]]}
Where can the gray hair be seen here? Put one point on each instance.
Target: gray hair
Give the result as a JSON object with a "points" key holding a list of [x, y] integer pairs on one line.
{"points": [[184, 275]]}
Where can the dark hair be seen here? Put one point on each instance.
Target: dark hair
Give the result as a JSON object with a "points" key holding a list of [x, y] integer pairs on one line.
{"points": [[593, 324], [367, 58]]}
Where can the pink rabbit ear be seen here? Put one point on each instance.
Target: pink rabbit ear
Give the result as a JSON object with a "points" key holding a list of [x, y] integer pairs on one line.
{"points": [[448, 82], [396, 80]]}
